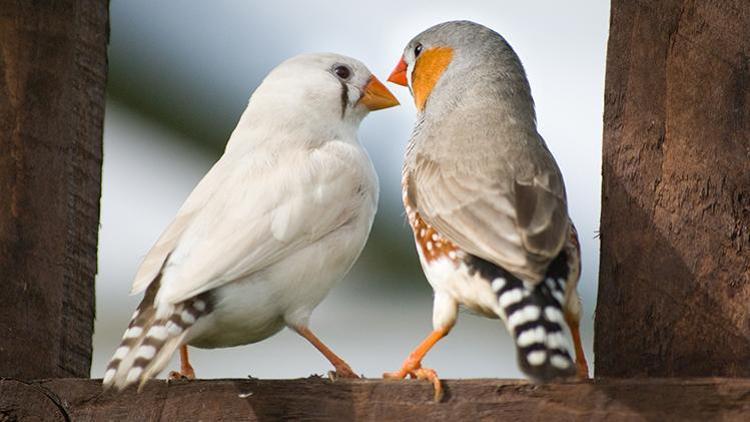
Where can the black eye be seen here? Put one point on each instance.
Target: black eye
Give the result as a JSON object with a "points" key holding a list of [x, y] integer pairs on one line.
{"points": [[342, 72], [417, 50]]}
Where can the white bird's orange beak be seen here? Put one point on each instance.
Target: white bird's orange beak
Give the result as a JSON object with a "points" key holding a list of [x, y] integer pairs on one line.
{"points": [[377, 96]]}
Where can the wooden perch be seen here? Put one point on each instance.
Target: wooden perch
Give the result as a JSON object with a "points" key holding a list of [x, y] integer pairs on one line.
{"points": [[320, 399], [53, 67], [674, 283]]}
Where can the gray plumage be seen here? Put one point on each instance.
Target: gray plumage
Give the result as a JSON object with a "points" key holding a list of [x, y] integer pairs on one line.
{"points": [[485, 198], [478, 170]]}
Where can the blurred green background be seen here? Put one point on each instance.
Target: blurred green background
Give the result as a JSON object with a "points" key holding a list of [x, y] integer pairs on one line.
{"points": [[180, 76]]}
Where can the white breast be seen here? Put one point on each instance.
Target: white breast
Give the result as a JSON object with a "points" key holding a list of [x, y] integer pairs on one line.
{"points": [[285, 293]]}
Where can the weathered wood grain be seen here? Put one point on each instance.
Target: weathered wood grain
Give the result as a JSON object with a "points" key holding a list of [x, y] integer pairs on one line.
{"points": [[53, 67], [674, 281], [377, 400]]}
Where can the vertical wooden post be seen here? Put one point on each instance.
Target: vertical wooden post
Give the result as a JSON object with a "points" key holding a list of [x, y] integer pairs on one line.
{"points": [[674, 292], [53, 66]]}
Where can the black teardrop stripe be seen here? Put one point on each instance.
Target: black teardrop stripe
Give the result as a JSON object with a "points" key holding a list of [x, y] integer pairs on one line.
{"points": [[344, 98]]}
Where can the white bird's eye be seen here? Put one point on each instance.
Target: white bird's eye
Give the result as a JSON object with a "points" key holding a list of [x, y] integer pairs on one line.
{"points": [[342, 72]]}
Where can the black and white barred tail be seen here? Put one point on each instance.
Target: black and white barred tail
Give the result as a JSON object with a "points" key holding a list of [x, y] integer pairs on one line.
{"points": [[149, 342], [535, 318]]}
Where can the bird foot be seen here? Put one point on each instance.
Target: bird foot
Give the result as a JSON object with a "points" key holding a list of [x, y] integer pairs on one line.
{"points": [[184, 375], [342, 371], [416, 371]]}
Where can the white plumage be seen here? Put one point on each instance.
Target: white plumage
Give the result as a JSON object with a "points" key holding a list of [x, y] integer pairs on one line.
{"points": [[276, 222]]}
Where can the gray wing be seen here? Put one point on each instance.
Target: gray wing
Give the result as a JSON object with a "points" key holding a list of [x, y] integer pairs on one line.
{"points": [[503, 202]]}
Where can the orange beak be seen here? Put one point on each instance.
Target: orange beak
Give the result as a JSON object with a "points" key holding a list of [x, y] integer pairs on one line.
{"points": [[377, 96], [398, 76]]}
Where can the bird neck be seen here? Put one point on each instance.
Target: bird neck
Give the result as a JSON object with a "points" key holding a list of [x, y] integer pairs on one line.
{"points": [[497, 81], [474, 105], [280, 129]]}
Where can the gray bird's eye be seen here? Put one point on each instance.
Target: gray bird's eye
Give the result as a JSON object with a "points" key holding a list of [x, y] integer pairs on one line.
{"points": [[417, 50], [342, 72]]}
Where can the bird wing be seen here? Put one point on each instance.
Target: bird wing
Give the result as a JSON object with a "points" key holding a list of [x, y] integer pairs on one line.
{"points": [[503, 204], [253, 212], [154, 260]]}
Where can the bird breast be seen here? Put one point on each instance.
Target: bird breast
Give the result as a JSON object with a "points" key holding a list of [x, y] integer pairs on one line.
{"points": [[259, 304]]}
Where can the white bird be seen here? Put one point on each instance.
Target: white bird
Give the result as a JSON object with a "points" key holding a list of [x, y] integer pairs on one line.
{"points": [[275, 223]]}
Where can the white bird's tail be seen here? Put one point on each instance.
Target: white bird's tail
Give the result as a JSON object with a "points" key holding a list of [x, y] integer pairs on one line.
{"points": [[149, 342]]}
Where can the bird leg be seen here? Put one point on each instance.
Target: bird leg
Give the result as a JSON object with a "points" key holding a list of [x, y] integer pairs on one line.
{"points": [[342, 369], [186, 370], [583, 367], [413, 364]]}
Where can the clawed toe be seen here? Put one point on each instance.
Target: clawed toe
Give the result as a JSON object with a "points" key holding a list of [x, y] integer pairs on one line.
{"points": [[186, 370], [431, 376], [342, 373], [395, 375], [420, 373], [176, 376]]}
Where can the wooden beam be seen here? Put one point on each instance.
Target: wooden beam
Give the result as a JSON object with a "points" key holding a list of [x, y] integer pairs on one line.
{"points": [[674, 281], [320, 399], [53, 66]]}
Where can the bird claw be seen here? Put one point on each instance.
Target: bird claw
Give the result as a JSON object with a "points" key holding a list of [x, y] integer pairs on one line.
{"points": [[179, 376], [430, 375], [342, 372], [416, 371]]}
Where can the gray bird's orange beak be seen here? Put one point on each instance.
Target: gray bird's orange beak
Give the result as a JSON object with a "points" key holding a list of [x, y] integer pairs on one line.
{"points": [[398, 76], [377, 96]]}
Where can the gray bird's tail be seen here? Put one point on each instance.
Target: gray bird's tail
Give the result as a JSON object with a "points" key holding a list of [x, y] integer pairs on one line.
{"points": [[534, 316], [149, 342]]}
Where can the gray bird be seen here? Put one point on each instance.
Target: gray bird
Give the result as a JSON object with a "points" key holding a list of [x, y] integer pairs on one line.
{"points": [[486, 200]]}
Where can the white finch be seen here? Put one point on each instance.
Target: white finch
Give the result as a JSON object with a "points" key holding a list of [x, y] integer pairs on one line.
{"points": [[486, 200], [275, 223]]}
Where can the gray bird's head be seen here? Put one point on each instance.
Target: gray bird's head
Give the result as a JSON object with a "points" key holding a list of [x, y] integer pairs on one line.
{"points": [[456, 62]]}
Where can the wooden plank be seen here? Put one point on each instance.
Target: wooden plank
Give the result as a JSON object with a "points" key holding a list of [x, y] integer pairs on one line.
{"points": [[320, 399], [53, 66], [21, 401], [674, 281]]}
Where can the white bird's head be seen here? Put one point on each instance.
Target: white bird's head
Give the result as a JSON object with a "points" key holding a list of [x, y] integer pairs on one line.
{"points": [[320, 95]]}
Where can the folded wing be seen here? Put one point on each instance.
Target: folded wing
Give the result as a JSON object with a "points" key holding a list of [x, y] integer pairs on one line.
{"points": [[509, 209], [247, 214]]}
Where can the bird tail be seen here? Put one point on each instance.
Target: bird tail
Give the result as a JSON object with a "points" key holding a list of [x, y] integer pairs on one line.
{"points": [[534, 316], [150, 341]]}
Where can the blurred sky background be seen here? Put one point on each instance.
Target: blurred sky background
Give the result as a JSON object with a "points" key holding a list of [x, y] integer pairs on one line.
{"points": [[180, 76]]}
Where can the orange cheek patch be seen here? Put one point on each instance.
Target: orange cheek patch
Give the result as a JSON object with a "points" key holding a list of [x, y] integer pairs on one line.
{"points": [[430, 65]]}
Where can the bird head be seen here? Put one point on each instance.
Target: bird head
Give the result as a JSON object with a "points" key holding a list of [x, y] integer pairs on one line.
{"points": [[457, 59], [319, 91]]}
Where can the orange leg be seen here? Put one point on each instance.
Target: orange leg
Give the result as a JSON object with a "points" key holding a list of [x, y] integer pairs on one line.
{"points": [[583, 367], [413, 364], [186, 370], [342, 369]]}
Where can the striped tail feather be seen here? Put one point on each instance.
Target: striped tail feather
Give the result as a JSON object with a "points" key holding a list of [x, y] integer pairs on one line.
{"points": [[149, 342], [534, 316]]}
